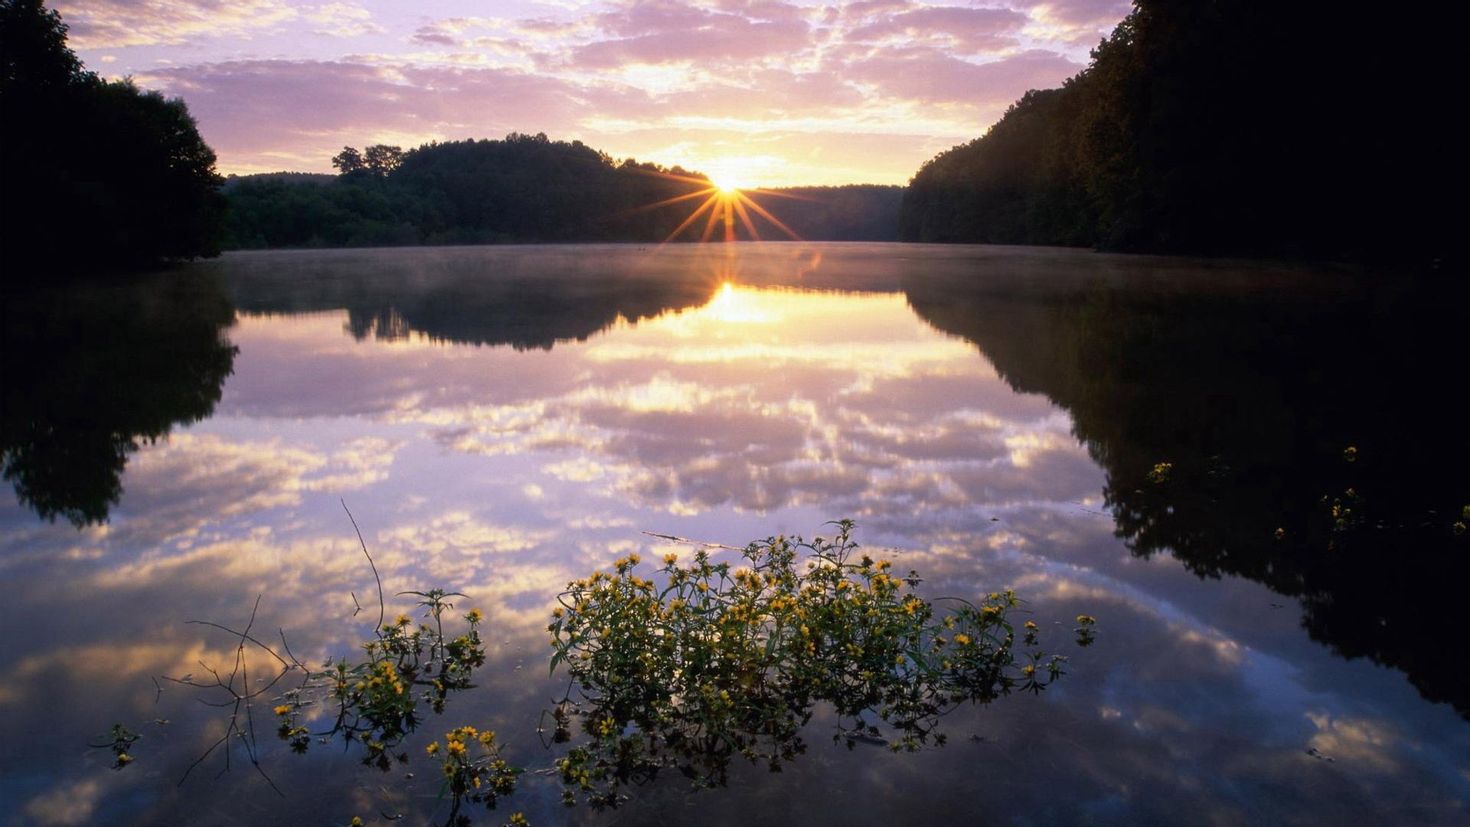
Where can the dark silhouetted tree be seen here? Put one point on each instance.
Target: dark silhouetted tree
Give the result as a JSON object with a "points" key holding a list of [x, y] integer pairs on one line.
{"points": [[348, 161], [382, 159], [96, 174], [1228, 127]]}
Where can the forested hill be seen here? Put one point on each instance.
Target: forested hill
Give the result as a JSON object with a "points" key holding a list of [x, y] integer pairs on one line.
{"points": [[525, 188], [1221, 127]]}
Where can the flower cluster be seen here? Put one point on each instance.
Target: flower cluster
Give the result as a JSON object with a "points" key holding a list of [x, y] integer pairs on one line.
{"points": [[473, 770], [120, 740], [375, 700], [717, 661]]}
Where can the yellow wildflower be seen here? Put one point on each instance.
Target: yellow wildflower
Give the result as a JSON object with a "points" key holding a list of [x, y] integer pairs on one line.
{"points": [[474, 616], [962, 639], [432, 749], [283, 709]]}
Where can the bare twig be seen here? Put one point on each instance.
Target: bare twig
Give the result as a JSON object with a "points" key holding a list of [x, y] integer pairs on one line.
{"points": [[382, 610], [688, 542]]}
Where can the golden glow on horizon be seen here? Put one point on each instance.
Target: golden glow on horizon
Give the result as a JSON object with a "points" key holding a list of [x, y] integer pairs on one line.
{"points": [[725, 183], [724, 203]]}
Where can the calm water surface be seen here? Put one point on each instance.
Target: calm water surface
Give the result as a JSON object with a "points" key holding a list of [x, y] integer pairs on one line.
{"points": [[503, 420]]}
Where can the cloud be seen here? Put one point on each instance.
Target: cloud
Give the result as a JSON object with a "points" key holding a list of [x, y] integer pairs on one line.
{"points": [[113, 24], [674, 32], [964, 29], [343, 20], [791, 94], [1091, 14], [304, 110], [932, 76]]}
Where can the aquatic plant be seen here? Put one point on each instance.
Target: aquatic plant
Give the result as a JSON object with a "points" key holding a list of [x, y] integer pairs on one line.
{"points": [[120, 740], [371, 699], [712, 662], [715, 661]]}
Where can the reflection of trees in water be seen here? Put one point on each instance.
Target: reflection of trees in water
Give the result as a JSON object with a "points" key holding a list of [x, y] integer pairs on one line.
{"points": [[92, 372], [527, 298], [1253, 398]]}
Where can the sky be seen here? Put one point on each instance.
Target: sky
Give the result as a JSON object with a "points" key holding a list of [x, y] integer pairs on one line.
{"points": [[755, 92]]}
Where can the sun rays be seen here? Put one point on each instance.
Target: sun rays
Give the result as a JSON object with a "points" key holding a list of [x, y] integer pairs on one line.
{"points": [[727, 211]]}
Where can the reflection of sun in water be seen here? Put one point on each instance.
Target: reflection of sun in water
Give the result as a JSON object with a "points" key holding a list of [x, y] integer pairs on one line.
{"points": [[738, 305]]}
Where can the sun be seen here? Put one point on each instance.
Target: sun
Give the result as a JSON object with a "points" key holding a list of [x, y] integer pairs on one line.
{"points": [[726, 184], [727, 204]]}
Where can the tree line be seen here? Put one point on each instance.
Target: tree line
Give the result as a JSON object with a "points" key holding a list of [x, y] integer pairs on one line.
{"points": [[523, 188], [1226, 127]]}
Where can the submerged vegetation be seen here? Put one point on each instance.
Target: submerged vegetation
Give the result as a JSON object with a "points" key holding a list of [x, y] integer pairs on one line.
{"points": [[712, 663]]}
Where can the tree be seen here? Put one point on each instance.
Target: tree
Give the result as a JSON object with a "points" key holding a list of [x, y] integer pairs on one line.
{"points": [[382, 159], [348, 161], [97, 174]]}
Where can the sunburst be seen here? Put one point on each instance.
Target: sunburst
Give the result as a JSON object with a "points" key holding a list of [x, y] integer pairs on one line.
{"points": [[726, 209]]}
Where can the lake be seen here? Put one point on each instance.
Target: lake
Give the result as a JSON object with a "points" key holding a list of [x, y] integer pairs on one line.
{"points": [[1253, 476]]}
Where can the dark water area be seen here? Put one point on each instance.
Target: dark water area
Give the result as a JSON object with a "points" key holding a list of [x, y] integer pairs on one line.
{"points": [[1252, 475]]}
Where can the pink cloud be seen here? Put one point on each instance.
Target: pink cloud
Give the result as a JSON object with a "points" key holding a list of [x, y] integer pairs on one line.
{"points": [[1091, 13], [766, 79], [306, 109], [864, 8], [665, 31], [969, 28], [121, 23], [931, 76]]}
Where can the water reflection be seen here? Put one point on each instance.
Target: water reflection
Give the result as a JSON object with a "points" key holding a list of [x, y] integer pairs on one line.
{"points": [[1270, 410], [526, 297], [765, 389], [92, 373]]}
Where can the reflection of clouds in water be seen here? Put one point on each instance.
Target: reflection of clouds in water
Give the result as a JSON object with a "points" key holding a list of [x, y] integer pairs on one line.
{"points": [[514, 472], [1365, 742], [35, 678], [180, 485], [760, 400], [68, 803]]}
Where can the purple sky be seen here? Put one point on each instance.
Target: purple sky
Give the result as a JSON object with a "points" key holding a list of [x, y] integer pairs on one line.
{"points": [[761, 92]]}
